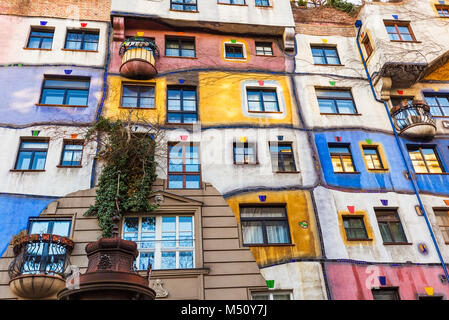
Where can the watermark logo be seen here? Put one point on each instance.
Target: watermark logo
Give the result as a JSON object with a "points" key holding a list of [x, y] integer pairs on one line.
{"points": [[73, 280]]}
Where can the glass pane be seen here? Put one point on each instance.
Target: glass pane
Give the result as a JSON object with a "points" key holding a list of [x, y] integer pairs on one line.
{"points": [[67, 84], [333, 60], [74, 36], [336, 164], [130, 91], [267, 212], [52, 96], [38, 227], [147, 240], [146, 102], [385, 232], [327, 106], [174, 118], [403, 30], [188, 53], [175, 182], [193, 182], [129, 102], [432, 161], [24, 160], [333, 94], [34, 42], [131, 224], [281, 296], [277, 232], [90, 46], [261, 297], [252, 232], [168, 260], [398, 233], [189, 105], [39, 161], [168, 232], [394, 36], [73, 45], [186, 259], [345, 106], [319, 60], [148, 224], [77, 98], [145, 259]]}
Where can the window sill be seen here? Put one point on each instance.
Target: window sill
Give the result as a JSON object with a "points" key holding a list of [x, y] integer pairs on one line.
{"points": [[266, 55], [397, 244], [355, 172], [403, 41], [246, 164], [76, 50], [340, 114], [287, 172], [16, 170], [181, 57], [182, 124], [433, 174], [270, 245], [59, 105], [264, 7], [235, 58], [377, 170], [68, 167], [232, 4], [39, 49], [275, 112], [188, 11], [136, 108], [328, 65], [359, 239]]}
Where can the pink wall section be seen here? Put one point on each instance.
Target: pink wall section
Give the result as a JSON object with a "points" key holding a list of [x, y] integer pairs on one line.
{"points": [[208, 50], [348, 281]]}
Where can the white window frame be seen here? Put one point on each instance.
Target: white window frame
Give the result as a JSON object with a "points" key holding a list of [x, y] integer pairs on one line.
{"points": [[268, 84], [271, 294], [158, 241]]}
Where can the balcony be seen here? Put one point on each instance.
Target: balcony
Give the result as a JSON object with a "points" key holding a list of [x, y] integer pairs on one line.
{"points": [[414, 121], [139, 58], [37, 271]]}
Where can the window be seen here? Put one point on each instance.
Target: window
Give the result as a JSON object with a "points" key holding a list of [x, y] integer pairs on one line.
{"points": [[430, 298], [325, 55], [368, 47], [245, 153], [443, 11], [385, 294], [242, 2], [183, 5], [424, 159], [372, 158], [180, 47], [181, 105], [263, 3], [399, 31], [282, 158], [271, 296], [355, 228], [58, 227], [335, 102], [32, 154], [341, 158], [82, 40], [167, 242], [262, 100], [65, 91], [264, 48], [439, 104], [137, 96], [234, 51], [40, 39], [390, 226], [184, 167], [264, 225], [72, 153], [442, 217]]}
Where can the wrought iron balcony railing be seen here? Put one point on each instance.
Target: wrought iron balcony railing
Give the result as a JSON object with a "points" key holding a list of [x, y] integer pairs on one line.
{"points": [[414, 120], [139, 58], [41, 254]]}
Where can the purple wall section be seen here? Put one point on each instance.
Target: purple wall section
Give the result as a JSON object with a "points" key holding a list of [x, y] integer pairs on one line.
{"points": [[354, 282], [20, 89]]}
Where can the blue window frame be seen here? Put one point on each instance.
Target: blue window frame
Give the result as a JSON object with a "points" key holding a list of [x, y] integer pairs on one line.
{"points": [[335, 102], [184, 169], [32, 154], [181, 105], [40, 39], [262, 100], [242, 2], [263, 3], [325, 55], [180, 47], [65, 91], [82, 40], [58, 227], [183, 5], [134, 96], [72, 153], [438, 103]]}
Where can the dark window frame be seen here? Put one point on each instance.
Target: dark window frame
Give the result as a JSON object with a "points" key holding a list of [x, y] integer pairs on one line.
{"points": [[393, 290], [334, 99], [397, 24], [37, 29], [420, 148], [234, 46], [389, 217], [246, 145], [34, 150], [368, 46], [342, 145], [231, 2], [264, 45], [51, 225], [376, 149], [444, 229], [182, 88], [261, 101], [263, 221], [184, 4], [442, 10], [353, 217], [258, 3], [180, 41], [323, 49], [83, 41], [65, 78], [139, 86], [71, 142], [280, 156], [438, 105], [184, 173]]}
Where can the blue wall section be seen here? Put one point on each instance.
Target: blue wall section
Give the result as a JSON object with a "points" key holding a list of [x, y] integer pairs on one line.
{"points": [[20, 89], [14, 213]]}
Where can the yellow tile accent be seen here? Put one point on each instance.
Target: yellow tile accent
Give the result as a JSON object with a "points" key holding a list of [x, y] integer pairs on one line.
{"points": [[429, 291]]}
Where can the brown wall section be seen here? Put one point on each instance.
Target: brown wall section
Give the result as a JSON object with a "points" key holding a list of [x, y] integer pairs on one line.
{"points": [[97, 10], [223, 269]]}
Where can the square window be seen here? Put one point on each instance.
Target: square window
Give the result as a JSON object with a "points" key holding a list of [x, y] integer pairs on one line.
{"points": [[280, 295], [32, 154], [399, 31], [355, 228], [390, 226], [264, 48], [443, 10], [241, 2], [137, 96], [245, 153], [335, 101], [438, 103], [183, 5], [341, 158], [425, 159], [282, 157], [372, 158], [180, 47], [264, 225], [40, 38], [82, 40], [72, 152], [262, 3], [262, 100], [325, 55], [234, 51], [385, 294], [67, 91]]}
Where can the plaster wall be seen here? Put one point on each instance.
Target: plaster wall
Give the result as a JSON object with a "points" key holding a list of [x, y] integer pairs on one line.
{"points": [[20, 88], [53, 181], [15, 33], [332, 205], [304, 279], [354, 282]]}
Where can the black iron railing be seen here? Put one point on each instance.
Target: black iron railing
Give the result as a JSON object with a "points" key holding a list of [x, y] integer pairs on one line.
{"points": [[39, 254], [411, 115]]}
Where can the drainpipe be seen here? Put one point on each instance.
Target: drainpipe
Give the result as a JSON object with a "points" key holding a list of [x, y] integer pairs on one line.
{"points": [[358, 25]]}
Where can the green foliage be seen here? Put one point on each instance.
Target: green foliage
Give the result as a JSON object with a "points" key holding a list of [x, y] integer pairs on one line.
{"points": [[342, 5], [302, 2], [131, 155]]}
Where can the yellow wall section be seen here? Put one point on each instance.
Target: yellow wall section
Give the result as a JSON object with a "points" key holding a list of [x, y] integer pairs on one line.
{"points": [[216, 91], [441, 73], [299, 208]]}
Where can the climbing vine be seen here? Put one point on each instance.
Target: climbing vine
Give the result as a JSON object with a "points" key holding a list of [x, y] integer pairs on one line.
{"points": [[129, 165], [341, 5]]}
